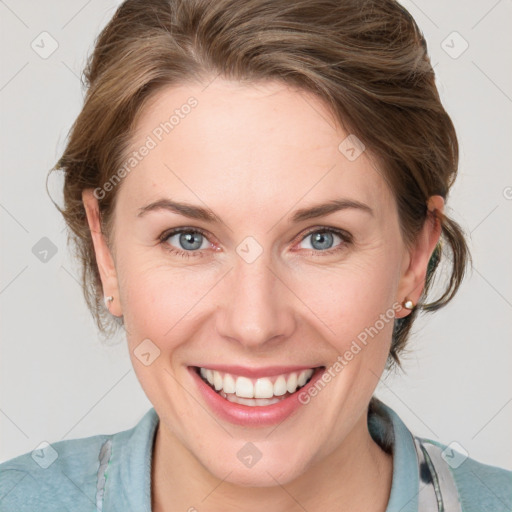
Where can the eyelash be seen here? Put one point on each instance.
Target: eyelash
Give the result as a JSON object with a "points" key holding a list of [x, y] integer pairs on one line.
{"points": [[345, 237]]}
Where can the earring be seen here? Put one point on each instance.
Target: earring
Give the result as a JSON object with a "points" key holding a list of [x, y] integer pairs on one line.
{"points": [[107, 300], [408, 304]]}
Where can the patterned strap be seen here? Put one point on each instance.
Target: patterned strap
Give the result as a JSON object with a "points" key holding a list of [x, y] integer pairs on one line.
{"points": [[101, 478], [438, 492]]}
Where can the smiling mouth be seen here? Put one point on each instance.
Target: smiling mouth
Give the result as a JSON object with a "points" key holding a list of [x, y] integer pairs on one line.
{"points": [[256, 392]]}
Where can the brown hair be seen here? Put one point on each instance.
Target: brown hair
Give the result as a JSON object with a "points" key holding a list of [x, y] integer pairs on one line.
{"points": [[366, 59]]}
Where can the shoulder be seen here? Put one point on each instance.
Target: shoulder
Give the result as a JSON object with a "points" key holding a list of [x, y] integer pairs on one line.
{"points": [[438, 475], [479, 486], [62, 473], [72, 474]]}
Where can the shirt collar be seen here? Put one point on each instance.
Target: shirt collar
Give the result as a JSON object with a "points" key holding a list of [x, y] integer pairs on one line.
{"points": [[390, 432], [128, 475]]}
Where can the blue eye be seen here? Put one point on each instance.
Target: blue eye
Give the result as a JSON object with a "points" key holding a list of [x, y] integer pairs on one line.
{"points": [[321, 240], [188, 242]]}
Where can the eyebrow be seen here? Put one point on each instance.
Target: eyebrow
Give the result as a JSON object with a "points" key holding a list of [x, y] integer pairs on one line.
{"points": [[205, 214]]}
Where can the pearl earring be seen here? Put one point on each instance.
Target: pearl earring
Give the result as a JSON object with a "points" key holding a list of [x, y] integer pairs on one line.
{"points": [[408, 304], [108, 299]]}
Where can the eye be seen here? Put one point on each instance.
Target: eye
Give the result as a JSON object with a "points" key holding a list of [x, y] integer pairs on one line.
{"points": [[185, 240], [188, 242], [325, 240]]}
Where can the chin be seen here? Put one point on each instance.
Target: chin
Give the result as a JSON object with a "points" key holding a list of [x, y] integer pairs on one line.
{"points": [[269, 473]]}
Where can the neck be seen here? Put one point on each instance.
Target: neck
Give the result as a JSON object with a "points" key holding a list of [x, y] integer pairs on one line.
{"points": [[356, 476]]}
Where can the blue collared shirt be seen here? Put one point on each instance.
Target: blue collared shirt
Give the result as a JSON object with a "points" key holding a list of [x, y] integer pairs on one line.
{"points": [[112, 473]]}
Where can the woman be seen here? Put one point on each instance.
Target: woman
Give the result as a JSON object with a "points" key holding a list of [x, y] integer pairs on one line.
{"points": [[256, 190]]}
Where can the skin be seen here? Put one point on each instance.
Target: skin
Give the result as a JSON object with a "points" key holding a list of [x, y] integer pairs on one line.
{"points": [[254, 154]]}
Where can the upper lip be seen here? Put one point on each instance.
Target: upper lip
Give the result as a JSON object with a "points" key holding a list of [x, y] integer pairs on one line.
{"points": [[251, 372]]}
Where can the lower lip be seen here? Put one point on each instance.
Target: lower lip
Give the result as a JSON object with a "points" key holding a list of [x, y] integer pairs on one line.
{"points": [[245, 415]]}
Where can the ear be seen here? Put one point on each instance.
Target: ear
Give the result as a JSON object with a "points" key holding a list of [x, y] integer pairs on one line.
{"points": [[104, 258], [412, 282]]}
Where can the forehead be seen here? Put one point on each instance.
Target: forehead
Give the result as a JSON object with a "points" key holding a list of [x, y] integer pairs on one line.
{"points": [[246, 144]]}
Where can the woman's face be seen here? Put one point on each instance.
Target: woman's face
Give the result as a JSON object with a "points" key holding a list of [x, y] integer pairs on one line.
{"points": [[264, 284]]}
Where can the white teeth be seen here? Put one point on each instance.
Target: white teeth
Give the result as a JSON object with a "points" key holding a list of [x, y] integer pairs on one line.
{"points": [[244, 388], [229, 384], [251, 402], [303, 377], [280, 386], [243, 401], [291, 385], [262, 390], [217, 380]]}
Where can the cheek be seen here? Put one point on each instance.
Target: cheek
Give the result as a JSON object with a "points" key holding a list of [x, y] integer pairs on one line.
{"points": [[353, 311], [163, 305], [160, 301], [351, 298]]}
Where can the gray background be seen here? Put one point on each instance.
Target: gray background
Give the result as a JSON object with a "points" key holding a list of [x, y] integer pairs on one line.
{"points": [[59, 381]]}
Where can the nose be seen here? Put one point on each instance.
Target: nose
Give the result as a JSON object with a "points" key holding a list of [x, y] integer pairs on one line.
{"points": [[256, 307]]}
